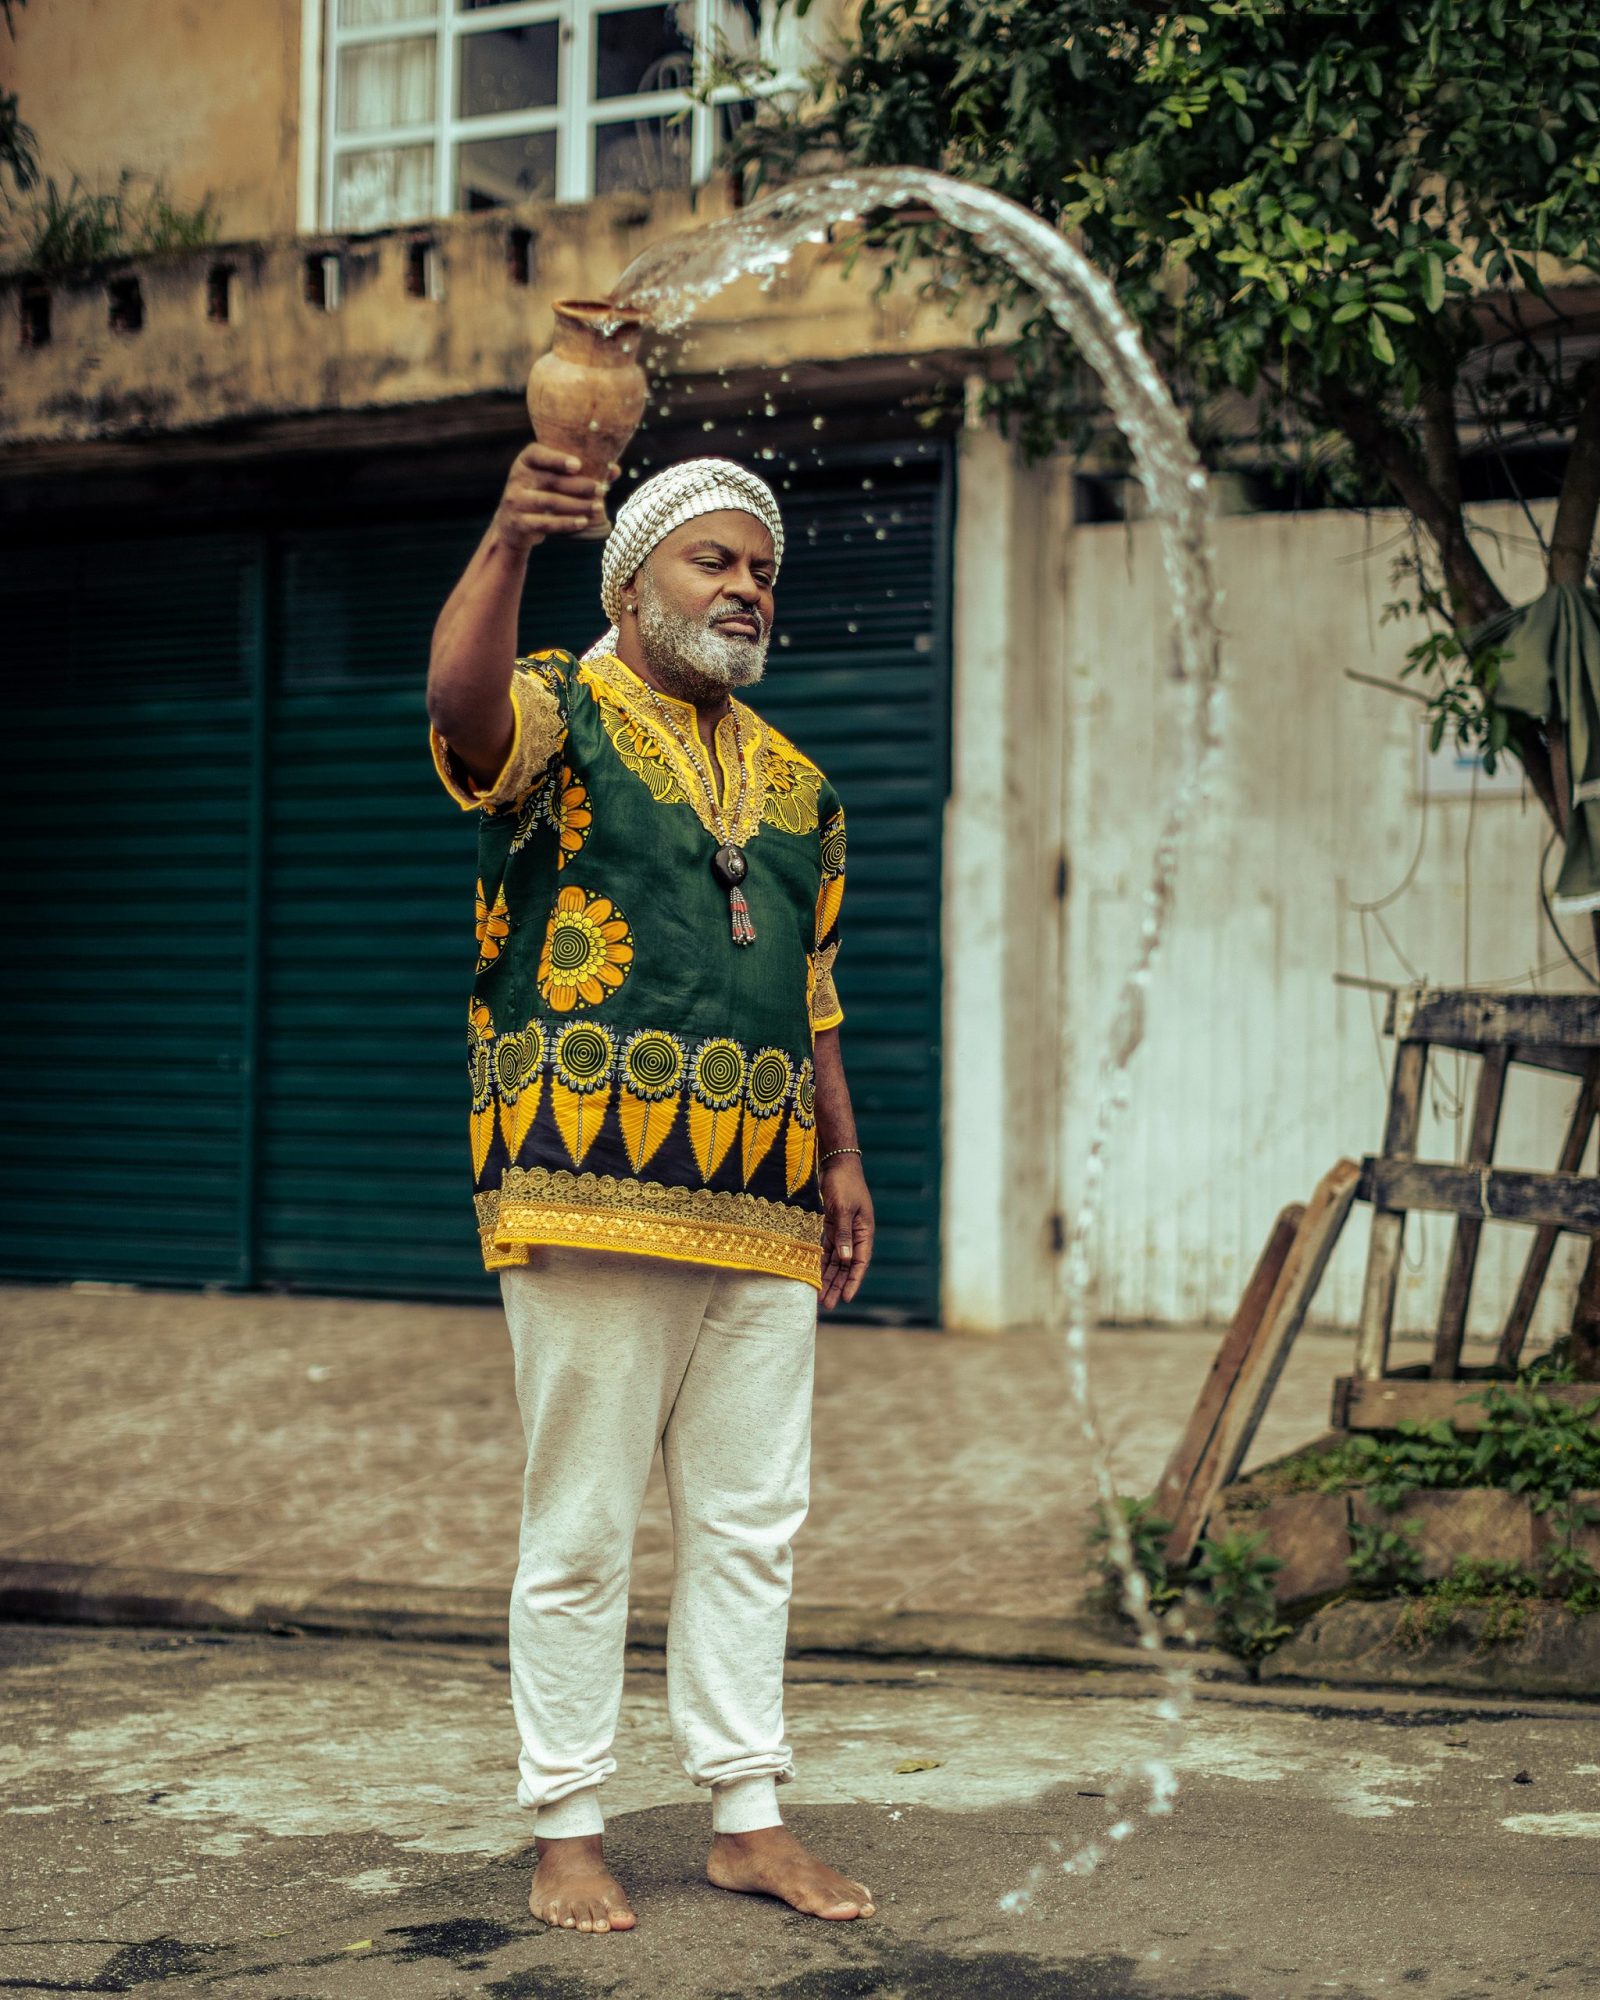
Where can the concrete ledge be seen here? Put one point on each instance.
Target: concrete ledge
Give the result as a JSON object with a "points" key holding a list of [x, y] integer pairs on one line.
{"points": [[99, 1594], [1365, 1644]]}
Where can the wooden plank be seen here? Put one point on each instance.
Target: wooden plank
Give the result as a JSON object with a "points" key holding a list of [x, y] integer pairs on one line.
{"points": [[1245, 1403], [1520, 1317], [1495, 1194], [1466, 1020], [1568, 1062], [1380, 1406], [1388, 1226], [1452, 1326], [1230, 1356]]}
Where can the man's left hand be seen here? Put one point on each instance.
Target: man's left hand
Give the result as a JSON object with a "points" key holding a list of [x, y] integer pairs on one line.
{"points": [[847, 1230]]}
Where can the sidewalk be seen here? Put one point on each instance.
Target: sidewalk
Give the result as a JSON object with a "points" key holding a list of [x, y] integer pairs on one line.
{"points": [[326, 1440]]}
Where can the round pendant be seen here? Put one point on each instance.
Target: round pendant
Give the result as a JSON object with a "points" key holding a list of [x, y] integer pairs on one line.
{"points": [[729, 865]]}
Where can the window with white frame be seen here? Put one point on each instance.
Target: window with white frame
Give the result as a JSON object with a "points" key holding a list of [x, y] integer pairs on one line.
{"points": [[438, 106]]}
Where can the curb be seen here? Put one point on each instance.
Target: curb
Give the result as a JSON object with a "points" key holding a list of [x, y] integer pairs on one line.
{"points": [[1346, 1646], [59, 1593]]}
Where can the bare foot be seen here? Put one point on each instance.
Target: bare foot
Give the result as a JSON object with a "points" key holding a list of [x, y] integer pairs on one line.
{"points": [[773, 1863], [574, 1890]]}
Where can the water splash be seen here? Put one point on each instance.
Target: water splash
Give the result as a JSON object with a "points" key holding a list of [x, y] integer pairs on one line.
{"points": [[667, 283]]}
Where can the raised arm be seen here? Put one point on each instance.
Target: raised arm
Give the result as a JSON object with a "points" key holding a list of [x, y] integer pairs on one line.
{"points": [[475, 638]]}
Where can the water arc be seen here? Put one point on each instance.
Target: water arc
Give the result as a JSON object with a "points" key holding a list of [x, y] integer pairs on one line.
{"points": [[666, 284]]}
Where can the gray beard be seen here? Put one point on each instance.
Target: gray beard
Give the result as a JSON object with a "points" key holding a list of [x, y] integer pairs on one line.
{"points": [[691, 659]]}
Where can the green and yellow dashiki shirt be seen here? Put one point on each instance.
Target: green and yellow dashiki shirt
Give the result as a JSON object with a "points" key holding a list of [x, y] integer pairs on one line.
{"points": [[639, 1081]]}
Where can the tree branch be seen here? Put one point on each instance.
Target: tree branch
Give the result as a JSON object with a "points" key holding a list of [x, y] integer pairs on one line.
{"points": [[1372, 434], [1573, 534], [1441, 443]]}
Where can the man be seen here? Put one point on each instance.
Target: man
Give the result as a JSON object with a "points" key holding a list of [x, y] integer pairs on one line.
{"points": [[664, 1154]]}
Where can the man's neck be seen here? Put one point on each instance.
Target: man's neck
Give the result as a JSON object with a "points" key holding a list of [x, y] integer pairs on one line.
{"points": [[710, 704]]}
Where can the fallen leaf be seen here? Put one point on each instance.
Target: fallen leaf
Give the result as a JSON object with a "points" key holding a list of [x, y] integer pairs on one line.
{"points": [[362, 1944], [910, 1764]]}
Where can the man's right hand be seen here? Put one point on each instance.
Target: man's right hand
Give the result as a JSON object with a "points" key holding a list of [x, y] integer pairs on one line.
{"points": [[546, 496]]}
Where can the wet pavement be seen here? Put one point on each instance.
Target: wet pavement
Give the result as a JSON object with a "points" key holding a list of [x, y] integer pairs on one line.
{"points": [[304, 1820]]}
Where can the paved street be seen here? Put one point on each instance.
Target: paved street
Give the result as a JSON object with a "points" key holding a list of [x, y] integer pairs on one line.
{"points": [[337, 1438], [302, 1820]]}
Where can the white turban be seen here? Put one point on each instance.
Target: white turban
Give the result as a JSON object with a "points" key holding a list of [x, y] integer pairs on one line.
{"points": [[681, 493]]}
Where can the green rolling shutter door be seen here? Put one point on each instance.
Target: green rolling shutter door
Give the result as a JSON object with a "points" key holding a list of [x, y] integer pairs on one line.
{"points": [[126, 978], [131, 1006], [369, 889], [863, 687]]}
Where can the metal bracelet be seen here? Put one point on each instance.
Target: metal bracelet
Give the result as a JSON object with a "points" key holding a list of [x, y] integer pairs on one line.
{"points": [[836, 1152]]}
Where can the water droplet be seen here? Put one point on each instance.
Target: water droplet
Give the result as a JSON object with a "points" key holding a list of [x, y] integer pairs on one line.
{"points": [[708, 425], [850, 624], [866, 485], [882, 535], [783, 638], [784, 375], [767, 452], [769, 409], [816, 423], [663, 410]]}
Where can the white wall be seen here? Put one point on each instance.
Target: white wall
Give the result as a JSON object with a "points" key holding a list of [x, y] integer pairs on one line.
{"points": [[1259, 1071]]}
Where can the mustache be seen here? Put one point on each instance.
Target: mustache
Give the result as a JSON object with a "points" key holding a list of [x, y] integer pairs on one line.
{"points": [[750, 612]]}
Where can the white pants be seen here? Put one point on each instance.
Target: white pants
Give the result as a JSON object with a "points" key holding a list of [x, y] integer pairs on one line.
{"points": [[614, 1355]]}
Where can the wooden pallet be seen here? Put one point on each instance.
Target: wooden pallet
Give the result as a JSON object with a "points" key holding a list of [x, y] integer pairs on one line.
{"points": [[1554, 1032], [1546, 1031], [1248, 1364]]}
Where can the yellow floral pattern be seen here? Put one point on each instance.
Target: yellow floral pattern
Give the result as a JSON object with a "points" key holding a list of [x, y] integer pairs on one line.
{"points": [[587, 951], [570, 815], [494, 926]]}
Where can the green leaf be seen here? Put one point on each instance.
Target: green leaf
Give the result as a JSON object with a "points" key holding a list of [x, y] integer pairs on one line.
{"points": [[1356, 309], [1433, 282], [1390, 310], [1378, 340]]}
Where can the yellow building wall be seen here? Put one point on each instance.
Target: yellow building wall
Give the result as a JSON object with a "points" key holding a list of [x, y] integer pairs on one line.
{"points": [[203, 92]]}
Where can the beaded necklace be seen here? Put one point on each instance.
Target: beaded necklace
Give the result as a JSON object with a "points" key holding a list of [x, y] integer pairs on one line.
{"points": [[729, 864]]}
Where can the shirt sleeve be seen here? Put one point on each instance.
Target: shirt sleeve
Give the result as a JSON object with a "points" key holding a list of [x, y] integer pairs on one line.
{"points": [[825, 1009], [538, 730]]}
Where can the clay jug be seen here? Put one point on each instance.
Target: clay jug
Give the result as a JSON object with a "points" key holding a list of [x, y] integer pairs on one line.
{"points": [[588, 393]]}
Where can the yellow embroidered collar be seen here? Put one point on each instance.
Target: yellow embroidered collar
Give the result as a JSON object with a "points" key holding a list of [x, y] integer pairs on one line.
{"points": [[781, 783]]}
